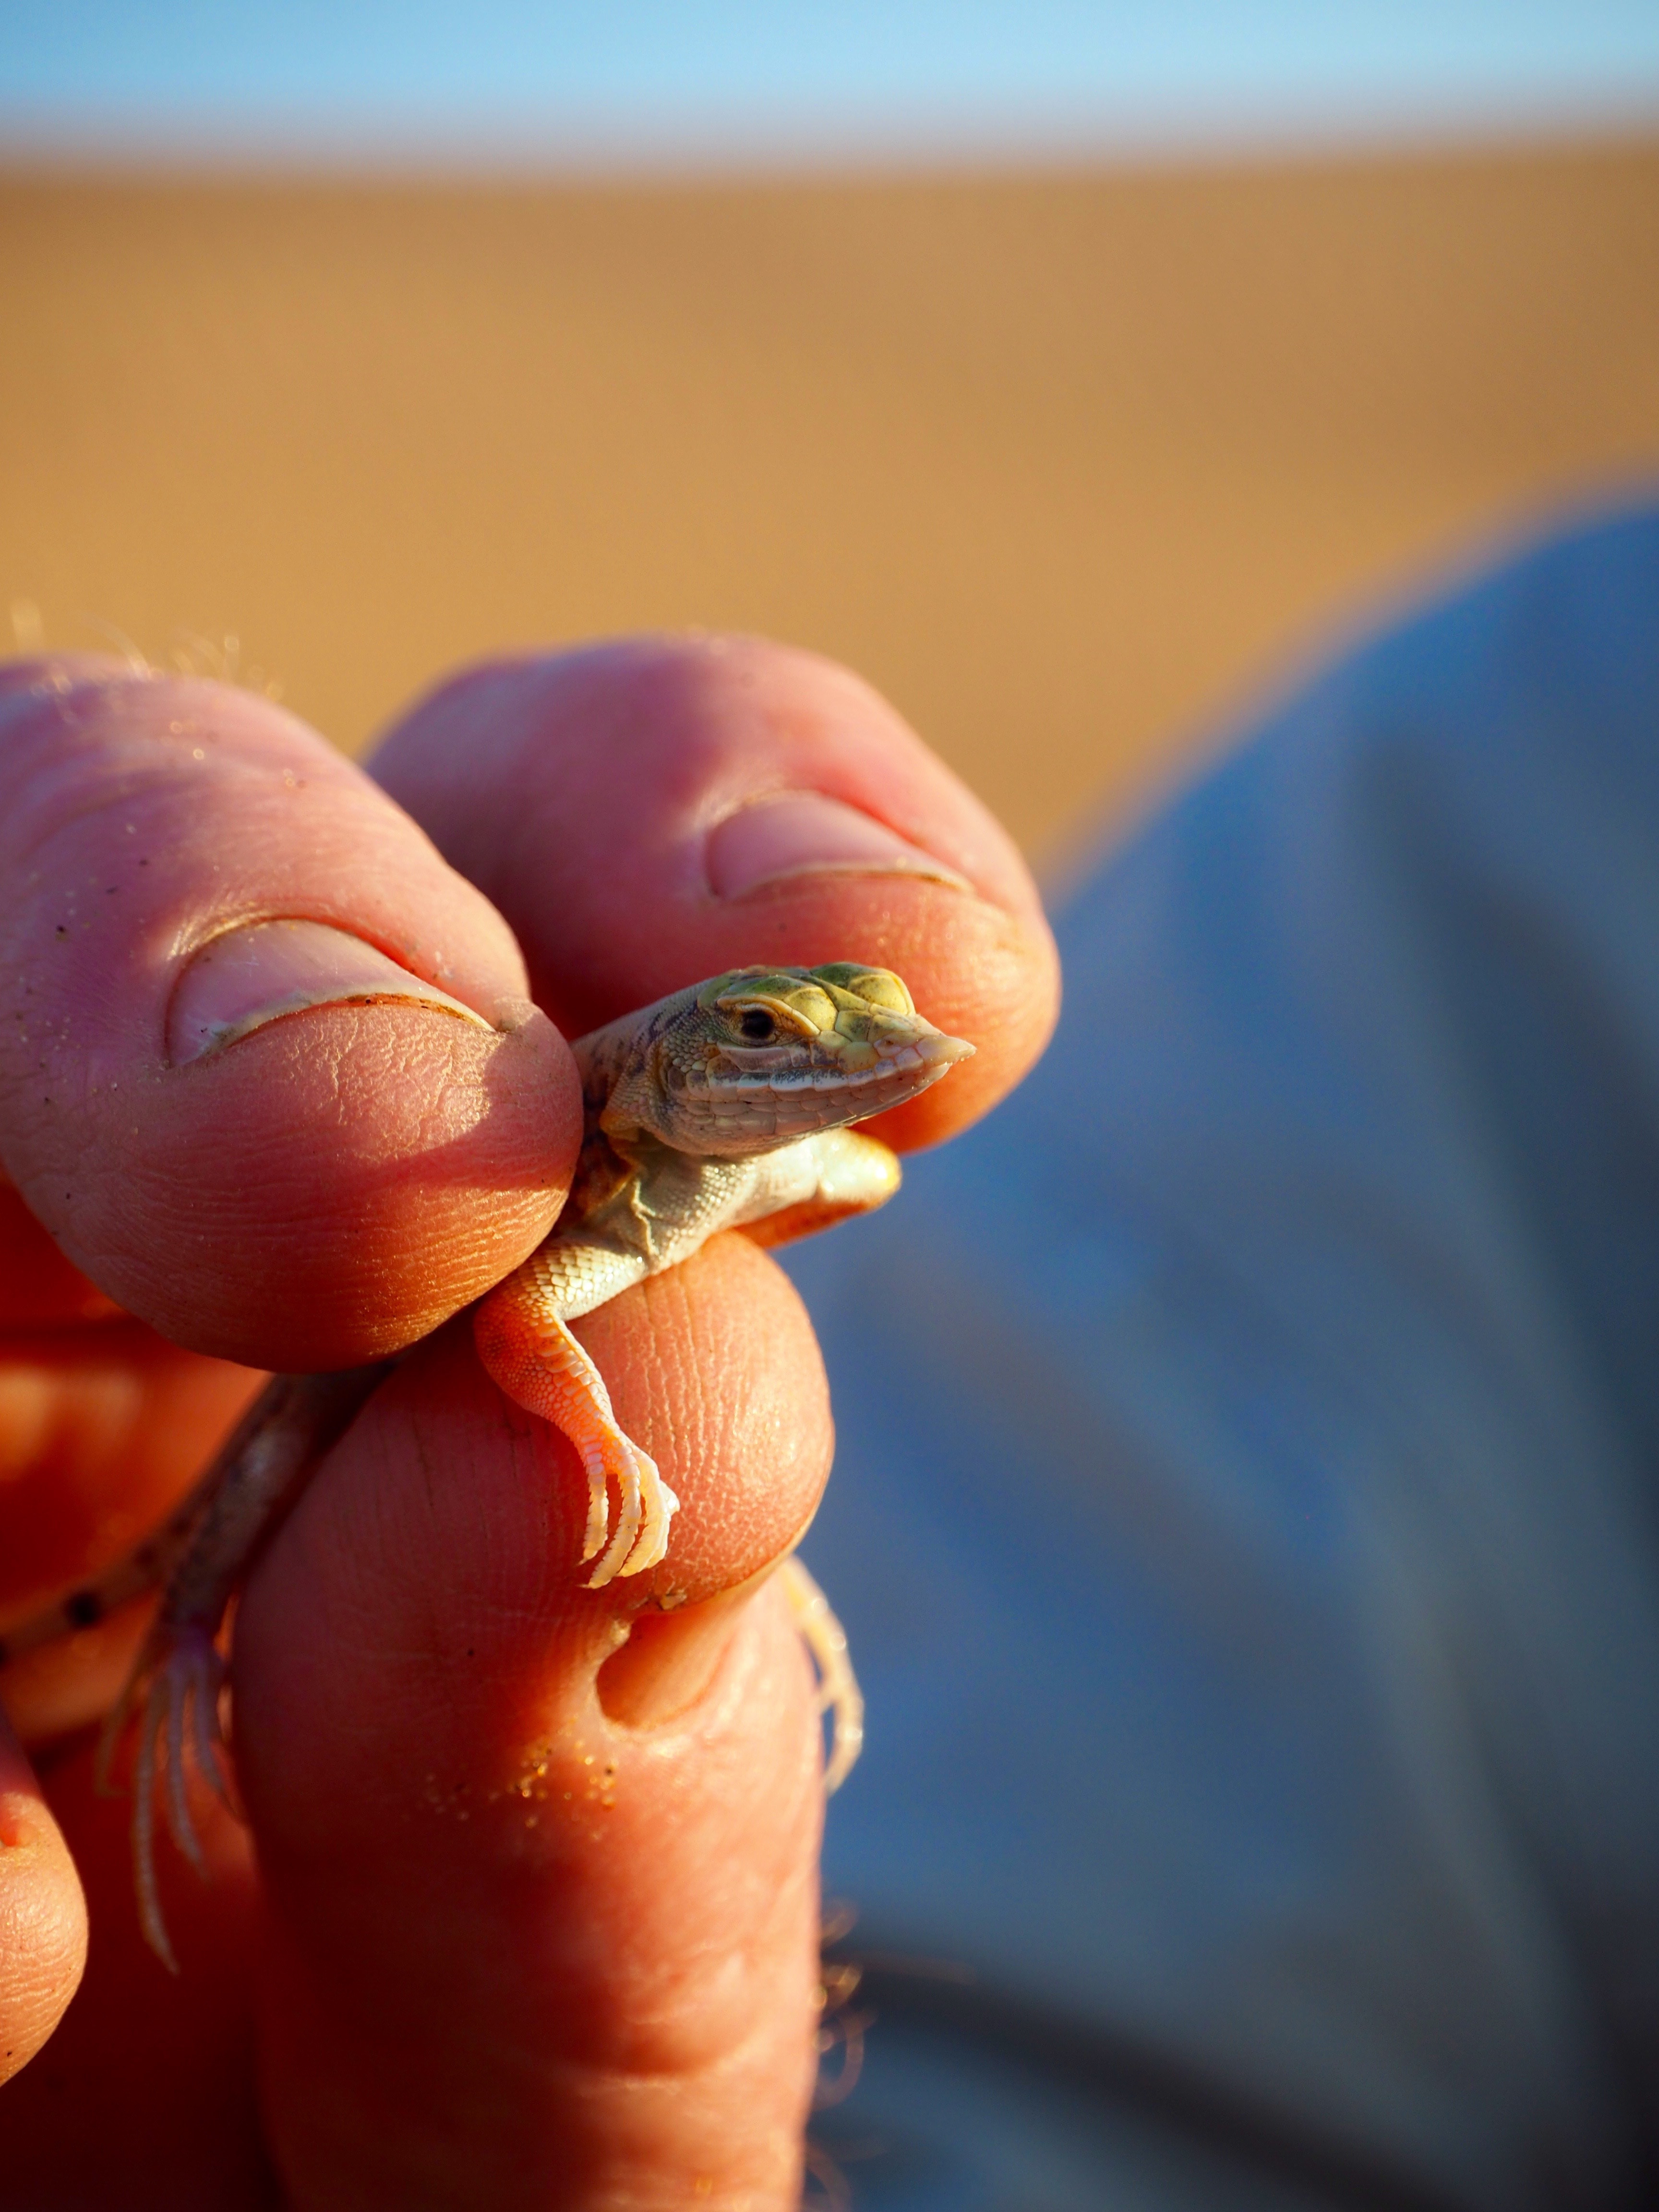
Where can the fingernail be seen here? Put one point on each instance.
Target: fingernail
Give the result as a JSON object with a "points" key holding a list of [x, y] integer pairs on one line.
{"points": [[671, 1658], [239, 982], [805, 833]]}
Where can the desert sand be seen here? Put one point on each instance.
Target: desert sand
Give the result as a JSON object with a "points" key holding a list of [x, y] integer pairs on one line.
{"points": [[1071, 465]]}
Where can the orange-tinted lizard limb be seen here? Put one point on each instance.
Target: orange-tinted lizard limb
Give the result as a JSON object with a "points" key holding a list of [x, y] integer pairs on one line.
{"points": [[530, 1353]]}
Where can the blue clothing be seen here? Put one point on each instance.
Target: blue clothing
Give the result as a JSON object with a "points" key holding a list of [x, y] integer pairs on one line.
{"points": [[1247, 1511]]}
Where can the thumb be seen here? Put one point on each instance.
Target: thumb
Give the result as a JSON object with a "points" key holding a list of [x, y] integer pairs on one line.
{"points": [[540, 1860]]}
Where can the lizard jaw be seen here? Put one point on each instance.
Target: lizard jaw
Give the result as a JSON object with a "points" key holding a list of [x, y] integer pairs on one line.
{"points": [[751, 1109]]}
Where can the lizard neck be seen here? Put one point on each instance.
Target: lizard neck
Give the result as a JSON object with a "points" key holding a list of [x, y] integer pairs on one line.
{"points": [[622, 1052], [619, 1053]]}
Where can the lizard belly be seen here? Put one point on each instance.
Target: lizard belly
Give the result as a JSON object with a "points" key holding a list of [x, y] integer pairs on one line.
{"points": [[817, 1182]]}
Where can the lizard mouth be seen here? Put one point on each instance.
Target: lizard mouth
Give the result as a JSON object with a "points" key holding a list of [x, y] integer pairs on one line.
{"points": [[787, 1092]]}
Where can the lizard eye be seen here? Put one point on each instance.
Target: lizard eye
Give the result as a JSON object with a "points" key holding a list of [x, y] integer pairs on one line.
{"points": [[758, 1025]]}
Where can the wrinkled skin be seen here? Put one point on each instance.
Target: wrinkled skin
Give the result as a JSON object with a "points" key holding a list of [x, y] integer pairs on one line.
{"points": [[533, 1918]]}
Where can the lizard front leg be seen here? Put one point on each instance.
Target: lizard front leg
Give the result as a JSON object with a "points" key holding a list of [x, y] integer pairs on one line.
{"points": [[524, 1340], [663, 1204]]}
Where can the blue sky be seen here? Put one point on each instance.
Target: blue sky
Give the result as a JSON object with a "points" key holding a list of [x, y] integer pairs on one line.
{"points": [[738, 80]]}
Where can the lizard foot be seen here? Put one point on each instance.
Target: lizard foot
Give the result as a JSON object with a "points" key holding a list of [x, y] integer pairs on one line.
{"points": [[839, 1694], [532, 1355], [647, 1505], [178, 1678]]}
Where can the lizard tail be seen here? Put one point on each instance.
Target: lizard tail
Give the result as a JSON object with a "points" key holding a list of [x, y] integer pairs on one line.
{"points": [[253, 1476], [141, 1570]]}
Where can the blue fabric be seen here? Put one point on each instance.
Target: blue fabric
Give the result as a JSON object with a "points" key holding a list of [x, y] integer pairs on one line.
{"points": [[1246, 1518]]}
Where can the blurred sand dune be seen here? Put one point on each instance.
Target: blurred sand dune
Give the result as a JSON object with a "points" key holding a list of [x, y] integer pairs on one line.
{"points": [[1064, 464]]}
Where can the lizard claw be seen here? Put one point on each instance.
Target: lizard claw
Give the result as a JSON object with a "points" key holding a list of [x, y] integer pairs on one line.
{"points": [[839, 1694], [625, 1458], [180, 1677], [659, 1507], [647, 1506], [598, 1505]]}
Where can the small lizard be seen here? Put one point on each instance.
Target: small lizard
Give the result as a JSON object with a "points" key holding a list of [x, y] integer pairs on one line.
{"points": [[725, 1106]]}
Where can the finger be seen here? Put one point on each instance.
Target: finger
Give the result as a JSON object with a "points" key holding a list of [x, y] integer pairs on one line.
{"points": [[535, 1931], [653, 811], [102, 1425], [43, 1917], [267, 1072], [144, 2097], [101, 1429]]}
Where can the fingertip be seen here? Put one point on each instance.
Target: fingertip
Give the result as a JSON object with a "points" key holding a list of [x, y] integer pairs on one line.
{"points": [[653, 811], [976, 969], [424, 1617], [406, 1161], [268, 1070], [43, 1914]]}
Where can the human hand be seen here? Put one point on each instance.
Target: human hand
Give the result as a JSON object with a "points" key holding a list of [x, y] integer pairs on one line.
{"points": [[533, 1918]]}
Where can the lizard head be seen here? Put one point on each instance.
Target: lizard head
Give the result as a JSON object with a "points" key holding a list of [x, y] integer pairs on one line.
{"points": [[759, 1057]]}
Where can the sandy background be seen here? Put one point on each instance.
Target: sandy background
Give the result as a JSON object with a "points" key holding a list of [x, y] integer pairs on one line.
{"points": [[1067, 465]]}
